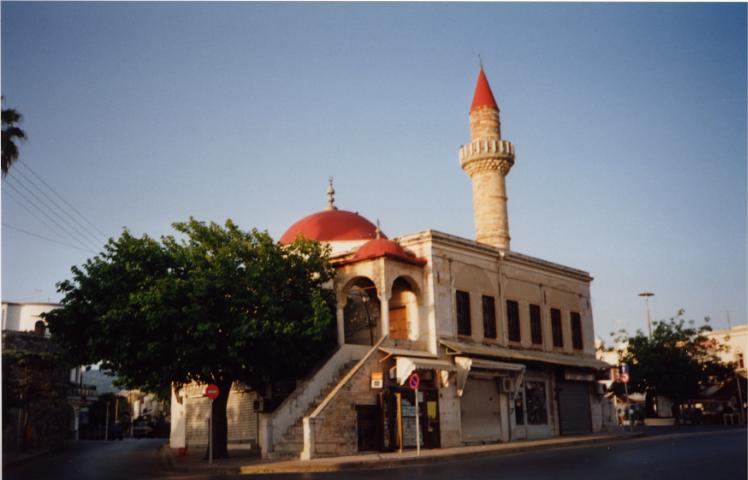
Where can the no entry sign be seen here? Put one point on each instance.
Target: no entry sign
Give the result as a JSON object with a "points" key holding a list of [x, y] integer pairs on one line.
{"points": [[414, 381], [211, 391]]}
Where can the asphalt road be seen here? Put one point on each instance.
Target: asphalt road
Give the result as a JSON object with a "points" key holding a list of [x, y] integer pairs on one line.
{"points": [[95, 460], [686, 455]]}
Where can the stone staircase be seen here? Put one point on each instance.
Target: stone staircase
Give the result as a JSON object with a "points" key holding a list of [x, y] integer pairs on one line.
{"points": [[293, 439]]}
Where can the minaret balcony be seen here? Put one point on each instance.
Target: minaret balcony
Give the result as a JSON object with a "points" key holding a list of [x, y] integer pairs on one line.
{"points": [[485, 150]]}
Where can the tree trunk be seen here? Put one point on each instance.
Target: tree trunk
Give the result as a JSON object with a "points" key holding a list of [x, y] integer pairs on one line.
{"points": [[220, 423]]}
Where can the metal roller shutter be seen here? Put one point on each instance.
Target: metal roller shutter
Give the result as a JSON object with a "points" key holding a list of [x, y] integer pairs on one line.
{"points": [[479, 409], [574, 408]]}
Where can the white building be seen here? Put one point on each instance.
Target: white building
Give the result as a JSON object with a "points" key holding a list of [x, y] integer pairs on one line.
{"points": [[503, 343]]}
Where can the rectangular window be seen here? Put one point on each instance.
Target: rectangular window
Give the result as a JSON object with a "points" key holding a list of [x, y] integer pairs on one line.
{"points": [[463, 313], [576, 331], [489, 317], [536, 328], [537, 412], [512, 320], [558, 332], [519, 407]]}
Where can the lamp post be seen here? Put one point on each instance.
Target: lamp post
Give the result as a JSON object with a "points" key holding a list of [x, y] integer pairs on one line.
{"points": [[646, 296]]}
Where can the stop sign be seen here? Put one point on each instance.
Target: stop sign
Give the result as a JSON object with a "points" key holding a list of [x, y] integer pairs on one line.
{"points": [[211, 391]]}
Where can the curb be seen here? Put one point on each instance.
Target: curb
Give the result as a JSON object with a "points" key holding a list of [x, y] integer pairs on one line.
{"points": [[379, 464], [169, 463]]}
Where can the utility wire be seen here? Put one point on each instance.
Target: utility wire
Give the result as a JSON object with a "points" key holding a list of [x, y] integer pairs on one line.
{"points": [[61, 198], [46, 238], [33, 213], [44, 213], [83, 227]]}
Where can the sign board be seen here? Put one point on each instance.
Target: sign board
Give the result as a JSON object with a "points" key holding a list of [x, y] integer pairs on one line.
{"points": [[211, 391], [377, 379], [624, 375], [414, 381], [579, 376]]}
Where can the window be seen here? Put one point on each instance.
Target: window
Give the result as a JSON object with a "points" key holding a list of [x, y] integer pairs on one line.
{"points": [[537, 412], [489, 317], [463, 313], [536, 328], [576, 331], [519, 406], [741, 362], [558, 333], [512, 319]]}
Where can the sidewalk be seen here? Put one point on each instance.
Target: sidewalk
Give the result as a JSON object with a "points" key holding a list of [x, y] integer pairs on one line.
{"points": [[12, 458], [240, 462]]}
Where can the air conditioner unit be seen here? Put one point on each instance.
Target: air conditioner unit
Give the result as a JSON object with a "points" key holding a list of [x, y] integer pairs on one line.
{"points": [[506, 384]]}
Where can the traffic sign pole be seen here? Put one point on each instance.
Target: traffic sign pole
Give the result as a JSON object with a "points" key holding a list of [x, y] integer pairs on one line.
{"points": [[418, 428], [210, 434], [211, 391], [414, 382]]}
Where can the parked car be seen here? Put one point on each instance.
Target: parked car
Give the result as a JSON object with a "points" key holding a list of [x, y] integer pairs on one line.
{"points": [[141, 428], [116, 432]]}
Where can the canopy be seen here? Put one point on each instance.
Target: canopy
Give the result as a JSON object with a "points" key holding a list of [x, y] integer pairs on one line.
{"points": [[495, 351]]}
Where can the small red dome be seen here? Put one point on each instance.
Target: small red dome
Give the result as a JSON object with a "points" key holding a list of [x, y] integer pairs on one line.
{"points": [[331, 225], [381, 247]]}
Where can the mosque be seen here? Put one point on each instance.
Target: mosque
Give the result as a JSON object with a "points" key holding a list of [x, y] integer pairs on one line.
{"points": [[501, 343]]}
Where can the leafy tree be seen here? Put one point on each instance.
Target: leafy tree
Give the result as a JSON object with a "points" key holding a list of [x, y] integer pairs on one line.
{"points": [[678, 361], [219, 305], [11, 134]]}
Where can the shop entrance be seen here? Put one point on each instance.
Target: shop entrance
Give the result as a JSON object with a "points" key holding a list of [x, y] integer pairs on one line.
{"points": [[428, 406]]}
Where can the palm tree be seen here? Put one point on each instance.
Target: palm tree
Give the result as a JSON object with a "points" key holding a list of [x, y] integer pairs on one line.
{"points": [[11, 134]]}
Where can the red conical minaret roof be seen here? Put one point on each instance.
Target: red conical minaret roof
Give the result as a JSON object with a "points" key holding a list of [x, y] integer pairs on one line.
{"points": [[483, 96]]}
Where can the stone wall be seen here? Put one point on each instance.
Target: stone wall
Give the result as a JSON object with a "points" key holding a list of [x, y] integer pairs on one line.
{"points": [[334, 429]]}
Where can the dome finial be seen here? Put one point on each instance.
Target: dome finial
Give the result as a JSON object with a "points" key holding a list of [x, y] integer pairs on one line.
{"points": [[378, 231], [330, 195]]}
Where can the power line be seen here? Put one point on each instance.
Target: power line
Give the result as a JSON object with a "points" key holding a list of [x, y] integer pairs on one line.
{"points": [[35, 214], [45, 214], [63, 199], [85, 229], [46, 238]]}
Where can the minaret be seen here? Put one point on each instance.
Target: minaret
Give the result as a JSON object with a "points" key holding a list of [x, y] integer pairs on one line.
{"points": [[487, 160]]}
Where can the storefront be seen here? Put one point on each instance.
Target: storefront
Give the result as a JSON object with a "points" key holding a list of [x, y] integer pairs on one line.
{"points": [[398, 403]]}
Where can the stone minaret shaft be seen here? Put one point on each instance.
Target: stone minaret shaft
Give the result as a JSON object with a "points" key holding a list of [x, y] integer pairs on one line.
{"points": [[487, 160]]}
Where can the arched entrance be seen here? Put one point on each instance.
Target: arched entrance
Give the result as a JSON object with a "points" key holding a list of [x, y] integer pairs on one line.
{"points": [[361, 313], [403, 309]]}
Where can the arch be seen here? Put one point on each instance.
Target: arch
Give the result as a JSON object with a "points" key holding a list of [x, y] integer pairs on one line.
{"points": [[403, 308], [406, 281], [361, 312], [40, 327]]}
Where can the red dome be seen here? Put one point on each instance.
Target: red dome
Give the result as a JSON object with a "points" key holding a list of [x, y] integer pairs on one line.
{"points": [[331, 225], [381, 247]]}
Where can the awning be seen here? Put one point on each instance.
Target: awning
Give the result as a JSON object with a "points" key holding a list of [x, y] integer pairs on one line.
{"points": [[495, 351], [406, 353], [466, 364], [407, 365]]}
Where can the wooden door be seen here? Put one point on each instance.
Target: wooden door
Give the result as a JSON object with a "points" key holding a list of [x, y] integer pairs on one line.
{"points": [[399, 323]]}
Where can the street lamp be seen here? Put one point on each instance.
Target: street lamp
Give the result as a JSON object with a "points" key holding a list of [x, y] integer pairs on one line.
{"points": [[646, 296]]}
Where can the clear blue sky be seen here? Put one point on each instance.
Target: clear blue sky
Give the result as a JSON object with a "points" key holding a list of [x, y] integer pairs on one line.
{"points": [[629, 122]]}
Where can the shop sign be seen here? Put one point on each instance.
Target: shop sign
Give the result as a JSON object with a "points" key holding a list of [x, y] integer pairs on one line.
{"points": [[377, 379], [579, 376]]}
